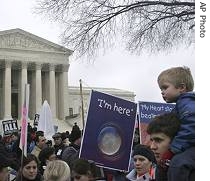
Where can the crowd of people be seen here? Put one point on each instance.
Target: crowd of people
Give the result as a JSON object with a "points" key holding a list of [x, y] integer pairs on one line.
{"points": [[169, 155]]}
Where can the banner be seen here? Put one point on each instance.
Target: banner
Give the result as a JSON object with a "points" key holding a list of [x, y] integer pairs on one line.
{"points": [[24, 122], [9, 126], [147, 111], [109, 129]]}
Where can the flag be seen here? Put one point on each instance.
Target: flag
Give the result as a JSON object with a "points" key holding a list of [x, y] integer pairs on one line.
{"points": [[24, 122]]}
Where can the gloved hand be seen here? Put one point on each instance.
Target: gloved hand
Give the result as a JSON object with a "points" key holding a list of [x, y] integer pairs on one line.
{"points": [[166, 158]]}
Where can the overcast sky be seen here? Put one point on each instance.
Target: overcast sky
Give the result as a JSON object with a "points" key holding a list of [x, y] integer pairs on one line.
{"points": [[116, 69]]}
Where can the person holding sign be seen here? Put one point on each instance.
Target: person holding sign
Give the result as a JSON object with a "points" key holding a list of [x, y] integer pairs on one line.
{"points": [[176, 85]]}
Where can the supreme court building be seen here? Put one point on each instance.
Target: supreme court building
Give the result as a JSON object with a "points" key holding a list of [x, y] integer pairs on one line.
{"points": [[27, 58]]}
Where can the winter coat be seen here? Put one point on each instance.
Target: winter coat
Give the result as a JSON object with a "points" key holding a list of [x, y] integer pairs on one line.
{"points": [[185, 109], [132, 176], [70, 154]]}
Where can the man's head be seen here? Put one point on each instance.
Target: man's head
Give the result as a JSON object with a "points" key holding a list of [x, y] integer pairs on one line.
{"points": [[47, 154], [14, 136], [40, 141], [83, 170], [41, 133], [65, 139], [175, 81], [162, 130], [57, 139]]}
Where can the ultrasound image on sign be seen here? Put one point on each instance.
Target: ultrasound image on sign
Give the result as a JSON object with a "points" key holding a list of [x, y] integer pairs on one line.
{"points": [[109, 140]]}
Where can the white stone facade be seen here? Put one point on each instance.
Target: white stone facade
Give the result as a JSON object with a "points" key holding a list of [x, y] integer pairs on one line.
{"points": [[26, 58]]}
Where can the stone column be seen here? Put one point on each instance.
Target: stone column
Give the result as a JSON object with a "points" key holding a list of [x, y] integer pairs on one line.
{"points": [[38, 88], [24, 80], [63, 103], [7, 90], [52, 99]]}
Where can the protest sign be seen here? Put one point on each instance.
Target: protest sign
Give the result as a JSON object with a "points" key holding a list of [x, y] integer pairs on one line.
{"points": [[108, 133], [147, 111], [36, 119], [9, 126]]}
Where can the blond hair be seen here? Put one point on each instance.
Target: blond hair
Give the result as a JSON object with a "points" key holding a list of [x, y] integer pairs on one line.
{"points": [[57, 170], [177, 76]]}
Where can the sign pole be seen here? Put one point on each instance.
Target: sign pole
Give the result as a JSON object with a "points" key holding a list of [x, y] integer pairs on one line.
{"points": [[81, 95]]}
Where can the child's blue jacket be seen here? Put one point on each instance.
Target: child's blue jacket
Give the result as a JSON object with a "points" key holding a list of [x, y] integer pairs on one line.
{"points": [[185, 109]]}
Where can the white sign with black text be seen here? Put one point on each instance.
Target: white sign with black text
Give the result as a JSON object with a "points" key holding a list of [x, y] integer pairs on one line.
{"points": [[9, 126]]}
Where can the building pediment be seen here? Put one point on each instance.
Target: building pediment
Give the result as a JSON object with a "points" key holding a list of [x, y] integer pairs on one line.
{"points": [[19, 39]]}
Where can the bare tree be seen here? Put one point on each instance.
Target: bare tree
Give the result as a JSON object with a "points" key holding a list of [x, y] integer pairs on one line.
{"points": [[92, 25]]}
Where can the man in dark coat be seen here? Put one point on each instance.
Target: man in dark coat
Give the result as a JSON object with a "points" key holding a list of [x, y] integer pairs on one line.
{"points": [[71, 153]]}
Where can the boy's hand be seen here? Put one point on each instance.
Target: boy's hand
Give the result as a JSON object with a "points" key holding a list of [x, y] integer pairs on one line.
{"points": [[166, 158]]}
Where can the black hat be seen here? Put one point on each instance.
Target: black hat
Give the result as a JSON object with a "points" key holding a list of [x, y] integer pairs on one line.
{"points": [[75, 134], [56, 135], [145, 151]]}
